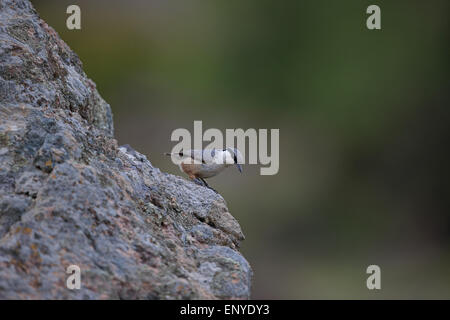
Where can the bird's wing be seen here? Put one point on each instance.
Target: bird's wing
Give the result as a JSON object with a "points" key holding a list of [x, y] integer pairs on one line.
{"points": [[205, 155]]}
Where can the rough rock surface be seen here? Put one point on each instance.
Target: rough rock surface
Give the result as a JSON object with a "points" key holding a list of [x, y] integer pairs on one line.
{"points": [[70, 196]]}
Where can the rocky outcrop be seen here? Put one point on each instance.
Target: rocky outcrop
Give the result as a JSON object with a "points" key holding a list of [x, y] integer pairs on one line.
{"points": [[70, 196]]}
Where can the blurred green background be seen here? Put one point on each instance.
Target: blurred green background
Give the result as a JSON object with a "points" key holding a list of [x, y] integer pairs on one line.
{"points": [[363, 118]]}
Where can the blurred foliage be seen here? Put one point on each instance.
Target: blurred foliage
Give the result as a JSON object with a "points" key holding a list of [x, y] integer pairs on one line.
{"points": [[363, 121]]}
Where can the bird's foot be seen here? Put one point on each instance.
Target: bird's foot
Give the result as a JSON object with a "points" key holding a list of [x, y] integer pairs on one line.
{"points": [[202, 182], [207, 185], [213, 189], [199, 182]]}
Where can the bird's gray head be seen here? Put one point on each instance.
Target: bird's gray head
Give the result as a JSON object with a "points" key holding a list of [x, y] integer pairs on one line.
{"points": [[236, 155]]}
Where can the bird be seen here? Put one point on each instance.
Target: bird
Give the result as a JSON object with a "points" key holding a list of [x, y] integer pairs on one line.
{"points": [[206, 163]]}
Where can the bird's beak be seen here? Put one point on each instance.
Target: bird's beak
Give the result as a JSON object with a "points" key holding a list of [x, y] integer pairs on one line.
{"points": [[239, 167]]}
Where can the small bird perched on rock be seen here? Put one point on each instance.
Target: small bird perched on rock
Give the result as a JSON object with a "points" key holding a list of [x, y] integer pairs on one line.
{"points": [[207, 163]]}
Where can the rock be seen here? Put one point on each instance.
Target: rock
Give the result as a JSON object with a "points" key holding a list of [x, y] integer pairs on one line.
{"points": [[70, 196]]}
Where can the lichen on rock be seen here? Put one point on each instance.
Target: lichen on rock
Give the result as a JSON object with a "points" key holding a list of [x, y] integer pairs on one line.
{"points": [[69, 195]]}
